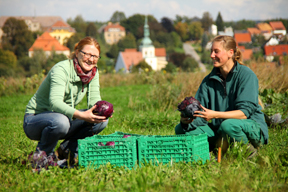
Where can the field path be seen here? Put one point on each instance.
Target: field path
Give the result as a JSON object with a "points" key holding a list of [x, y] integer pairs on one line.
{"points": [[189, 50]]}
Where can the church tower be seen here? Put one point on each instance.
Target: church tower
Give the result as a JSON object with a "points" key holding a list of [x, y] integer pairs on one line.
{"points": [[147, 48]]}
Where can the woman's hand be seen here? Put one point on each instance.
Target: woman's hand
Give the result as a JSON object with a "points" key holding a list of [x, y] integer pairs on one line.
{"points": [[89, 116], [206, 114]]}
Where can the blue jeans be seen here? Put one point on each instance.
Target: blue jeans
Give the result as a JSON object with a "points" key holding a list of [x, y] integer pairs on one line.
{"points": [[50, 127]]}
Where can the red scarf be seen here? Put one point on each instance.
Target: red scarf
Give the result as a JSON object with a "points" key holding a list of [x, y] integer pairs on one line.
{"points": [[85, 77]]}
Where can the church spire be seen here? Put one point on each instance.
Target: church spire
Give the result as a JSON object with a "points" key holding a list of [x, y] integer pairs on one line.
{"points": [[146, 41]]}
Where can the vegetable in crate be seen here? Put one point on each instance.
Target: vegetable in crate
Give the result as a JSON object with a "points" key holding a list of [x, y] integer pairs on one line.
{"points": [[104, 108], [188, 107]]}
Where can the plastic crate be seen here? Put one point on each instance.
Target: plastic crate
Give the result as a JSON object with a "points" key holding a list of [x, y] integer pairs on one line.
{"points": [[167, 149], [123, 153]]}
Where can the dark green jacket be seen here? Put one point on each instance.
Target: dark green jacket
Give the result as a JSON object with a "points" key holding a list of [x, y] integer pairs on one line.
{"points": [[240, 93]]}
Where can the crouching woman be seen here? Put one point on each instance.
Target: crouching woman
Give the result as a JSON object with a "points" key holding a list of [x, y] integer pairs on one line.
{"points": [[229, 101], [51, 115]]}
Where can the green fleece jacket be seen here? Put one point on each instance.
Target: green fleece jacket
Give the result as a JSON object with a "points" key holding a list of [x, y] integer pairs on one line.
{"points": [[61, 91], [239, 93]]}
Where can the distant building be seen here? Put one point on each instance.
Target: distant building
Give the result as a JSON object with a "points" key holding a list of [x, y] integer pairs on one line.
{"points": [[272, 41], [227, 31], [155, 57], [213, 29], [61, 31], [275, 50], [254, 31], [48, 44], [278, 29], [266, 30], [242, 38], [113, 33]]}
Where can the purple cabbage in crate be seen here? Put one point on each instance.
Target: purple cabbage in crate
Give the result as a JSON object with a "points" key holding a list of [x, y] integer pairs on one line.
{"points": [[188, 106], [110, 143], [104, 108], [126, 136], [101, 144]]}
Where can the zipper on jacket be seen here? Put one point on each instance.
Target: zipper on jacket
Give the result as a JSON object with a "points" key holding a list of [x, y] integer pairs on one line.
{"points": [[223, 84]]}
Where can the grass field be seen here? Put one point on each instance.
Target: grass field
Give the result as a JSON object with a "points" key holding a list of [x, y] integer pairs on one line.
{"points": [[137, 112]]}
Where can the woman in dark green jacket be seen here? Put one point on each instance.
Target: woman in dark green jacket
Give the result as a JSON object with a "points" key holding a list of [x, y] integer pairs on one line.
{"points": [[229, 101]]}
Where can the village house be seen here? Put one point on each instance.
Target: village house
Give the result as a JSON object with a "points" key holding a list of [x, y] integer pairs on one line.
{"points": [[227, 31], [48, 44], [266, 30], [275, 50], [155, 57], [278, 29], [241, 39], [61, 31], [113, 33]]}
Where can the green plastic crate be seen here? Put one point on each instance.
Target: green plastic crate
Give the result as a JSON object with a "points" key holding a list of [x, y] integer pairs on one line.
{"points": [[167, 149], [123, 153]]}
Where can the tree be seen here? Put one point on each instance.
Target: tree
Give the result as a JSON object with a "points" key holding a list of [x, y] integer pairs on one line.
{"points": [[195, 30], [177, 59], [17, 38], [206, 21], [78, 23], [170, 67], [113, 52], [141, 66], [73, 40], [128, 41], [176, 39], [204, 41], [117, 16], [219, 22], [181, 29], [167, 24], [189, 64], [8, 62], [91, 30]]}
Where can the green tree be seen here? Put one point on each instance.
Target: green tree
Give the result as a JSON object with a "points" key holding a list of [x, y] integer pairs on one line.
{"points": [[170, 67], [117, 16], [53, 59], [141, 66], [182, 30], [128, 41], [113, 52], [189, 64], [91, 30], [219, 22], [195, 30], [17, 38], [177, 59], [206, 21], [204, 41], [176, 39], [167, 24], [8, 63], [78, 23], [205, 57]]}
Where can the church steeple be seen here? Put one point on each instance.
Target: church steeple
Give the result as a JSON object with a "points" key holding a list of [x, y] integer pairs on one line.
{"points": [[146, 41]]}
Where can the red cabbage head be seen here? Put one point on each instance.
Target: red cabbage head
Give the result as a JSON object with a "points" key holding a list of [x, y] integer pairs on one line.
{"points": [[188, 106], [104, 108]]}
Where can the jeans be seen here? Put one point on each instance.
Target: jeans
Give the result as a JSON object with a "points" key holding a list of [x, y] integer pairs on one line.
{"points": [[50, 127]]}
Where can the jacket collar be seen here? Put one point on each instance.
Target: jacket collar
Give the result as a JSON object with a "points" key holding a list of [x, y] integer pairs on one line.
{"points": [[215, 71]]}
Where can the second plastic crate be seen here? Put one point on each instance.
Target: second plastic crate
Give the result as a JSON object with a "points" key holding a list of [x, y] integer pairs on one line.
{"points": [[167, 149]]}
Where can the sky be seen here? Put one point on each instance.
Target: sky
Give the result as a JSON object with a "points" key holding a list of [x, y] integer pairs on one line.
{"points": [[96, 10]]}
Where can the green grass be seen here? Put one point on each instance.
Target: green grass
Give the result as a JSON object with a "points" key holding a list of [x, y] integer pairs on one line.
{"points": [[135, 112]]}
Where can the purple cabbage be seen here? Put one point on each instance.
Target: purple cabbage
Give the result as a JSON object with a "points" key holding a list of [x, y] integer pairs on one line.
{"points": [[110, 143], [188, 107], [126, 136], [103, 108]]}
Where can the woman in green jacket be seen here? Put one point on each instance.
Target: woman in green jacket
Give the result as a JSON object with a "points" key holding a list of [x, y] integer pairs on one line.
{"points": [[229, 101], [51, 115]]}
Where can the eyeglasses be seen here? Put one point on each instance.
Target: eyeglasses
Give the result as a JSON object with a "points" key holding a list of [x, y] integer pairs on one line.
{"points": [[88, 56]]}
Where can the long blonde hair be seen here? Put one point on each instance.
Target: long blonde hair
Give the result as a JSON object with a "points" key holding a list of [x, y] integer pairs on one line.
{"points": [[85, 41], [228, 43]]}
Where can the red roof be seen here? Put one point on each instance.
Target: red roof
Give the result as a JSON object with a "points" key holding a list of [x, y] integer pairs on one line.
{"points": [[276, 50], [130, 50], [114, 26], [160, 52], [242, 38], [253, 31], [131, 58], [277, 25], [47, 43], [60, 25], [264, 27]]}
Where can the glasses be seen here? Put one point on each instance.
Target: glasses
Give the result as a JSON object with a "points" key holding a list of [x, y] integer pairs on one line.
{"points": [[88, 56]]}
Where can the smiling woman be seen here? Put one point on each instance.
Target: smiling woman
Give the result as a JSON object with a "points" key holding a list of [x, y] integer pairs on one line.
{"points": [[51, 114], [229, 101]]}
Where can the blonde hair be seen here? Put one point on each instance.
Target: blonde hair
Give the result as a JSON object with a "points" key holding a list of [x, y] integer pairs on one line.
{"points": [[85, 41], [228, 43]]}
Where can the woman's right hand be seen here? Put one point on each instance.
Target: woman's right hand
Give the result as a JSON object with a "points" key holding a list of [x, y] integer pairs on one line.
{"points": [[89, 116]]}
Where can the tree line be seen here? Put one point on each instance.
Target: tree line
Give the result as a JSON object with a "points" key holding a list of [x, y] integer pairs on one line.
{"points": [[168, 33]]}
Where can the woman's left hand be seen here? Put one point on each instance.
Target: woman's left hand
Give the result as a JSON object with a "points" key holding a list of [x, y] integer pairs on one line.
{"points": [[206, 114]]}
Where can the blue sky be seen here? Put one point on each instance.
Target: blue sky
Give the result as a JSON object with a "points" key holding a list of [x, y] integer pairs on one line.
{"points": [[102, 10]]}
